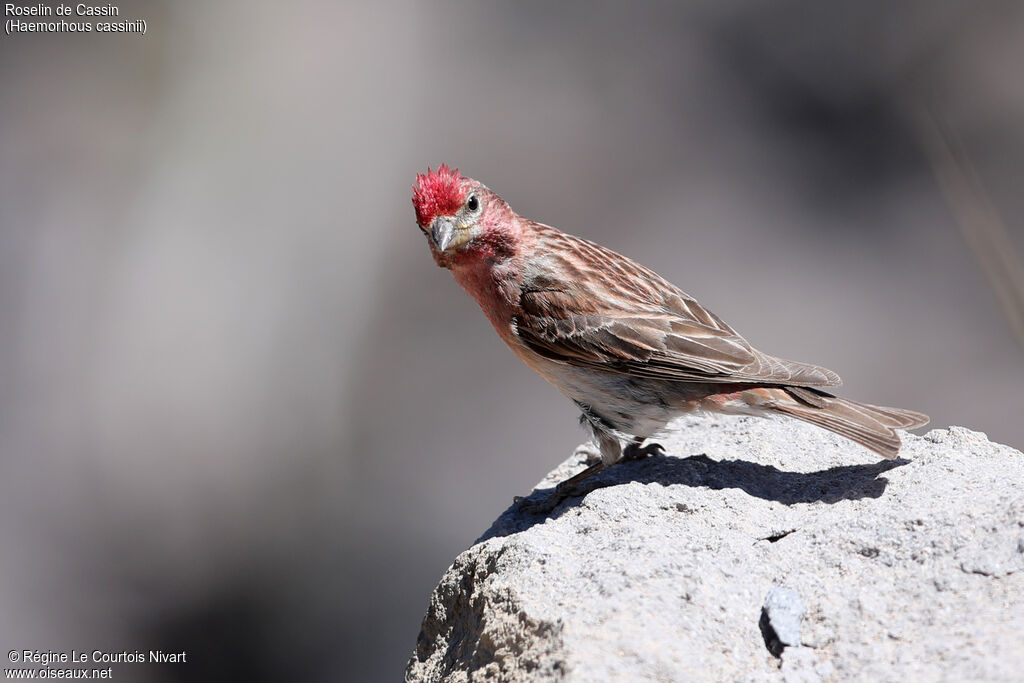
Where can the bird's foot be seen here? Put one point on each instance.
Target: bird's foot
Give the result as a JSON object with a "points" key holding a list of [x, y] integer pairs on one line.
{"points": [[590, 452], [571, 486], [635, 451]]}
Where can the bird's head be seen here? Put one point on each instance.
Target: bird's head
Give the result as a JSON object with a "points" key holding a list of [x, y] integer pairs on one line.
{"points": [[461, 218]]}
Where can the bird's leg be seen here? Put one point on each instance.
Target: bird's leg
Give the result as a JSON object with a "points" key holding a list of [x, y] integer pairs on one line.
{"points": [[589, 451], [595, 450], [611, 453]]}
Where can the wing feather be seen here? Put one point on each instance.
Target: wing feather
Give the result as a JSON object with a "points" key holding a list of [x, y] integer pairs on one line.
{"points": [[619, 316]]}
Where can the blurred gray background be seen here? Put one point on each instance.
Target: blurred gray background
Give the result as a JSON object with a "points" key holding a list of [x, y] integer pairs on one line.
{"points": [[242, 412]]}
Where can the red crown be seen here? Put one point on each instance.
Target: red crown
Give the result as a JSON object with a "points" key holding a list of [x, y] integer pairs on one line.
{"points": [[437, 193]]}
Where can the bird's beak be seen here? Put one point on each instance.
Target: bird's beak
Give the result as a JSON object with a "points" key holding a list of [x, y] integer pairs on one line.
{"points": [[442, 232]]}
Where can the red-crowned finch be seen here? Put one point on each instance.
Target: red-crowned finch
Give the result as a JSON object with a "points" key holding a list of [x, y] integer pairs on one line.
{"points": [[628, 347]]}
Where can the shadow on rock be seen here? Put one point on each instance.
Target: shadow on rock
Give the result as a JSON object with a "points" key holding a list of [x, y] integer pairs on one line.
{"points": [[849, 482]]}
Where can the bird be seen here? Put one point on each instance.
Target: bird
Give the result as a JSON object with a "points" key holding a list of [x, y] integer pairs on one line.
{"points": [[630, 349]]}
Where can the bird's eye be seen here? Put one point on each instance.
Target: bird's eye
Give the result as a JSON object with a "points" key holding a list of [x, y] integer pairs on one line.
{"points": [[472, 203]]}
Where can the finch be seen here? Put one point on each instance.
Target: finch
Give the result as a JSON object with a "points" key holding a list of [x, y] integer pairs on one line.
{"points": [[630, 349]]}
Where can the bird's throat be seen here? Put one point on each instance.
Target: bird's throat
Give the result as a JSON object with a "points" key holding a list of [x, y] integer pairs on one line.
{"points": [[495, 287]]}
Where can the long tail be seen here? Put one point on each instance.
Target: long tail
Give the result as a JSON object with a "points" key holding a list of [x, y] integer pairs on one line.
{"points": [[871, 426]]}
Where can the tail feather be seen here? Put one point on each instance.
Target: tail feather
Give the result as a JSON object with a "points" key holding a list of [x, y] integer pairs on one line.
{"points": [[871, 426]]}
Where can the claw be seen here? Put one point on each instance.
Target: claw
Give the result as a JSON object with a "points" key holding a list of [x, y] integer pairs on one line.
{"points": [[571, 486], [590, 452], [636, 452]]}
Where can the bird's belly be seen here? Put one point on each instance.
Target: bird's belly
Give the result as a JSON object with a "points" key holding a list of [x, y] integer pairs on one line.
{"points": [[633, 405]]}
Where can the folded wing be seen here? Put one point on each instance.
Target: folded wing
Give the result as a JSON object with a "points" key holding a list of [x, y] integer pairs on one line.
{"points": [[590, 306]]}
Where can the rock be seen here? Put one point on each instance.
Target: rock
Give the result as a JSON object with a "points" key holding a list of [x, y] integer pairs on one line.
{"points": [[906, 569], [780, 619]]}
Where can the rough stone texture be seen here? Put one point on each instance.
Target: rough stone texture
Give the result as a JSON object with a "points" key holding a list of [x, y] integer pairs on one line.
{"points": [[910, 569], [780, 619]]}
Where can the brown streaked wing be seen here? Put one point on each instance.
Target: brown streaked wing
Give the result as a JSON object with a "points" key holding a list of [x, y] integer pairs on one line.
{"points": [[587, 305]]}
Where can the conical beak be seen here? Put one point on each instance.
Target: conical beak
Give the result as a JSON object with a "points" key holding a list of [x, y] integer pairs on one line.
{"points": [[442, 231]]}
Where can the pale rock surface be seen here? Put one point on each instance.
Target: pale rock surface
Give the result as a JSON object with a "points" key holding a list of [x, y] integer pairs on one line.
{"points": [[902, 570]]}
